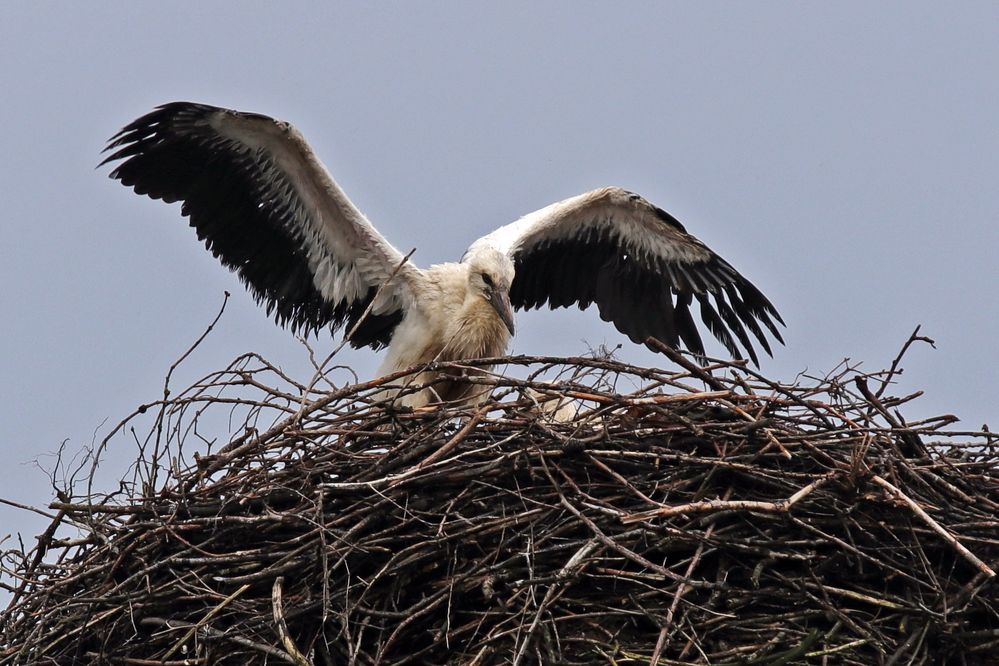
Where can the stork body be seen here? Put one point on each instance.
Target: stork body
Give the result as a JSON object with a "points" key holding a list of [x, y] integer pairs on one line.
{"points": [[267, 208], [456, 316]]}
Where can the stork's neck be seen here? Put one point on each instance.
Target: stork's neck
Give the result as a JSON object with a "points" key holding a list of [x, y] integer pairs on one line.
{"points": [[477, 331]]}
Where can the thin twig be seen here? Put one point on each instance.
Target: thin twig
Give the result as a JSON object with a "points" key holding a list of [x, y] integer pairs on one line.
{"points": [[277, 604]]}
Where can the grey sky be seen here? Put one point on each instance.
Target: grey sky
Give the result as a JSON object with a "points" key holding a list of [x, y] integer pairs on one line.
{"points": [[843, 156]]}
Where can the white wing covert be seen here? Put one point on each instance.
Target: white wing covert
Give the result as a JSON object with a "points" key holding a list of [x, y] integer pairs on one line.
{"points": [[641, 268], [266, 207]]}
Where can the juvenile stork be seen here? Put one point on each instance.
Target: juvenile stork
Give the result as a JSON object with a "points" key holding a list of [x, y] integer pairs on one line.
{"points": [[267, 208]]}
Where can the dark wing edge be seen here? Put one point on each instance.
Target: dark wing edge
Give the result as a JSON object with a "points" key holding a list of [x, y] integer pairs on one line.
{"points": [[248, 213], [642, 270]]}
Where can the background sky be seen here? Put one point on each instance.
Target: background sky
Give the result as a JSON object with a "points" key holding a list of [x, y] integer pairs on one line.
{"points": [[843, 156]]}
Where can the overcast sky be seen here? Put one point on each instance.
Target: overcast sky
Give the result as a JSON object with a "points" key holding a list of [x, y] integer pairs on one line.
{"points": [[843, 156]]}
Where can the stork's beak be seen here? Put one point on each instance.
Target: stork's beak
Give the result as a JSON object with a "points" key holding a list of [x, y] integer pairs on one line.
{"points": [[500, 300]]}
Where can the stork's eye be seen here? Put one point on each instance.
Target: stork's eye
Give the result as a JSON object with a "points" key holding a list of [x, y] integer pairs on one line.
{"points": [[488, 280]]}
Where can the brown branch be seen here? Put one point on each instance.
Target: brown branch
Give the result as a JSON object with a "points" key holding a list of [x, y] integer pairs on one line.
{"points": [[934, 525], [712, 506]]}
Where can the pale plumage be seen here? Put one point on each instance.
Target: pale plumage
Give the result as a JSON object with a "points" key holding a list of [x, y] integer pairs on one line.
{"points": [[267, 208]]}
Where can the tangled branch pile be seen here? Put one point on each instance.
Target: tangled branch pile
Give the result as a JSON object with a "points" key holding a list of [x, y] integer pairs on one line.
{"points": [[676, 518]]}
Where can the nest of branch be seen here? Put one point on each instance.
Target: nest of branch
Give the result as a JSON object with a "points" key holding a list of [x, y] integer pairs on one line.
{"points": [[703, 516]]}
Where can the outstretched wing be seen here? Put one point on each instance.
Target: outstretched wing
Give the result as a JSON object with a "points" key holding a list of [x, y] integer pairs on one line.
{"points": [[641, 268], [266, 207]]}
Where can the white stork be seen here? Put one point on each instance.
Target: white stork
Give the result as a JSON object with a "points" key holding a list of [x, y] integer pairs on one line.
{"points": [[268, 209]]}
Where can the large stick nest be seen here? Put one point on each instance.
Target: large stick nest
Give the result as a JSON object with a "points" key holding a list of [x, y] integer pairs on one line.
{"points": [[702, 516]]}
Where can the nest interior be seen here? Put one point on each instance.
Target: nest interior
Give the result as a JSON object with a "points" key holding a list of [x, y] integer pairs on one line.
{"points": [[588, 512]]}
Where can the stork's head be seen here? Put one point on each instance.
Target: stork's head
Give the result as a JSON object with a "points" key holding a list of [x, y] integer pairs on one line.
{"points": [[490, 275]]}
